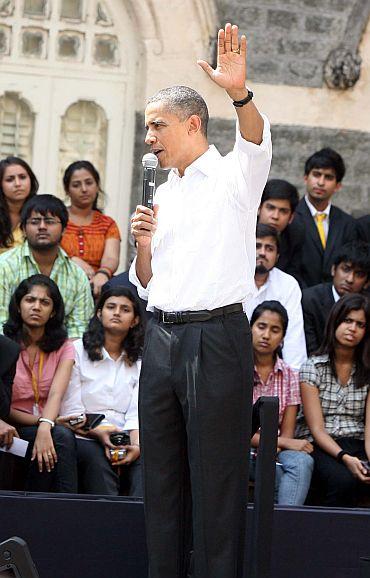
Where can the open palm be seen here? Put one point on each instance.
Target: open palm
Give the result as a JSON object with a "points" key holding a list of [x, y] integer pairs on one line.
{"points": [[231, 69]]}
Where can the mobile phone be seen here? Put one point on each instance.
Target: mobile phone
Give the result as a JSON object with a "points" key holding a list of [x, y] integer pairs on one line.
{"points": [[92, 420], [366, 465], [75, 420], [120, 438]]}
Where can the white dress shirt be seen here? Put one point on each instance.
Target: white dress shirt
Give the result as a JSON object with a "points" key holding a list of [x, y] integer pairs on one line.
{"points": [[284, 288], [203, 252], [105, 386], [335, 294], [315, 212]]}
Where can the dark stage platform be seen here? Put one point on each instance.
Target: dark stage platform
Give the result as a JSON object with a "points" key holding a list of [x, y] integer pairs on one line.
{"points": [[97, 537]]}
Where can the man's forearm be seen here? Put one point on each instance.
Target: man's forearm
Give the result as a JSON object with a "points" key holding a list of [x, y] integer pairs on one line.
{"points": [[144, 265], [250, 120]]}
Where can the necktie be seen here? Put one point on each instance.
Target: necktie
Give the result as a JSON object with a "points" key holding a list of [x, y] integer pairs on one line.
{"points": [[320, 218]]}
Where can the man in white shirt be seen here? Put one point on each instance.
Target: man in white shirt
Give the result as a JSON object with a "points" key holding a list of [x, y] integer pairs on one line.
{"points": [[274, 284], [195, 263]]}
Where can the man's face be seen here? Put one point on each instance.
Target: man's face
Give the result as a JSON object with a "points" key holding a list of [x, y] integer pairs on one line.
{"points": [[43, 233], [348, 278], [168, 137], [321, 184], [275, 212], [266, 254]]}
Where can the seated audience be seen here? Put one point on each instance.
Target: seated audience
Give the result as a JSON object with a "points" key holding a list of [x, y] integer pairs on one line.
{"points": [[43, 371], [105, 379], [9, 351], [273, 284], [91, 239], [326, 226], [17, 184], [272, 376], [278, 203], [336, 405], [43, 219], [363, 226], [350, 271]]}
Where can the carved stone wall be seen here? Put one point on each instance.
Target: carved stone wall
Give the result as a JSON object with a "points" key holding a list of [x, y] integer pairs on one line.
{"points": [[291, 41]]}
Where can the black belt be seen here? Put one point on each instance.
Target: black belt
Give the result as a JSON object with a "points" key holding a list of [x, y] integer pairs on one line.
{"points": [[191, 316]]}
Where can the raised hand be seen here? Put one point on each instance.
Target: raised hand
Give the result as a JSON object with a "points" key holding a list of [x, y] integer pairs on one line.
{"points": [[231, 70]]}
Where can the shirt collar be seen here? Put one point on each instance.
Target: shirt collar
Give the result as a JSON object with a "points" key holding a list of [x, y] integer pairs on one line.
{"points": [[314, 211], [28, 253], [204, 164], [335, 294], [278, 367]]}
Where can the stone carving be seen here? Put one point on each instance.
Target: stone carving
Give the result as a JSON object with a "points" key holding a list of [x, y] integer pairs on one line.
{"points": [[342, 68]]}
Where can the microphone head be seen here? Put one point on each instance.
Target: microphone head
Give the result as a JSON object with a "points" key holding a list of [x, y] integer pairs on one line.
{"points": [[149, 161]]}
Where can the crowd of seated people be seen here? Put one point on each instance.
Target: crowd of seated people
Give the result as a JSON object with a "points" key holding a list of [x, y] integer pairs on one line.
{"points": [[62, 360]]}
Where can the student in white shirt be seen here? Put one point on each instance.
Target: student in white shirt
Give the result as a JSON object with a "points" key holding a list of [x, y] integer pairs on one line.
{"points": [[272, 284], [105, 379]]}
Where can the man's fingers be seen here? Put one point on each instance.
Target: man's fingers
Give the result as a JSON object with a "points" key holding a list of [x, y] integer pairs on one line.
{"points": [[243, 44], [234, 38], [206, 67], [221, 41], [227, 37]]}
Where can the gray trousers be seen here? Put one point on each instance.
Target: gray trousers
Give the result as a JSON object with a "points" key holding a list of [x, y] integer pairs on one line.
{"points": [[195, 420]]}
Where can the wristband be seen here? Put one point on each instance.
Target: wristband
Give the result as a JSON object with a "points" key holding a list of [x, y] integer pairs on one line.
{"points": [[339, 456], [46, 420], [104, 272], [240, 103]]}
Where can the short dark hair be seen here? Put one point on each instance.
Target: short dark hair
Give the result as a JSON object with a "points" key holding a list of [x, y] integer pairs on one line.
{"points": [[183, 102], [45, 204], [355, 252], [6, 235], [89, 167], [280, 189], [326, 158], [339, 311], [55, 332], [93, 338], [263, 231]]}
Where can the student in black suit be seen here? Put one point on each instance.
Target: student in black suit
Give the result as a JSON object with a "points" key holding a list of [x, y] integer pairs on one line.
{"points": [[9, 351], [326, 227], [350, 271], [363, 225], [278, 203]]}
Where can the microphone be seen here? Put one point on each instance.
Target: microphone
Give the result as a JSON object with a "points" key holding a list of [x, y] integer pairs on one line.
{"points": [[150, 163]]}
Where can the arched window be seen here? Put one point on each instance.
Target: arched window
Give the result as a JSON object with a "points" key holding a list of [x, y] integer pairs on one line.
{"points": [[83, 136], [16, 127]]}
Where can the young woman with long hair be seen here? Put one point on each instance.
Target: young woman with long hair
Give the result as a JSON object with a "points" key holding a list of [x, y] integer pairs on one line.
{"points": [[105, 380], [273, 377], [17, 184], [91, 239], [336, 403], [36, 322]]}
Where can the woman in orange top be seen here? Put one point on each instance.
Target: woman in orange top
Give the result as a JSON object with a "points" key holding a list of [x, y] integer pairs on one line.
{"points": [[91, 239]]}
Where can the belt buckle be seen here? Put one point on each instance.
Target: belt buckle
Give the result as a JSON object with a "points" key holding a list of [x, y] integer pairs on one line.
{"points": [[169, 317]]}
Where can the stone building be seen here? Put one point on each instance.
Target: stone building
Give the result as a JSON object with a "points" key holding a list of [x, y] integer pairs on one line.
{"points": [[75, 75]]}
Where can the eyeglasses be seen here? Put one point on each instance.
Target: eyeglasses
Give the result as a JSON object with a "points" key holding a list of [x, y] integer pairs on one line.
{"points": [[36, 221]]}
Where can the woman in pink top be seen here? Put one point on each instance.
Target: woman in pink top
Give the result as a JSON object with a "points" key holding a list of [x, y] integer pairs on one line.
{"points": [[272, 376], [36, 322]]}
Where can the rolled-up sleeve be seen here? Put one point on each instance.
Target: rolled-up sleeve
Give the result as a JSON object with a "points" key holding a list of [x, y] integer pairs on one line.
{"points": [[143, 292]]}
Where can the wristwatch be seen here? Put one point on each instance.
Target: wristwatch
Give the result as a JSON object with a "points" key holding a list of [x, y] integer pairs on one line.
{"points": [[240, 103]]}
